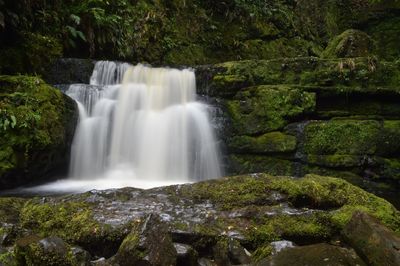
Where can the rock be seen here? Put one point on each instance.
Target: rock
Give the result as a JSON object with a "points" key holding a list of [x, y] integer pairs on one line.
{"points": [[214, 219], [268, 143], [70, 71], [32, 250], [262, 109], [374, 242], [186, 255], [320, 254], [206, 262], [149, 243], [351, 43], [81, 256], [281, 245], [38, 124], [342, 137], [244, 163]]}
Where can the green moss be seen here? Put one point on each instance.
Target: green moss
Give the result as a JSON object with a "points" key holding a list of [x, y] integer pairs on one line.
{"points": [[244, 164], [262, 252], [8, 259], [299, 228], [262, 109], [268, 143], [70, 221], [35, 255], [389, 144], [335, 160], [9, 209], [129, 249], [36, 123], [350, 43], [391, 169], [328, 192], [342, 137], [236, 192]]}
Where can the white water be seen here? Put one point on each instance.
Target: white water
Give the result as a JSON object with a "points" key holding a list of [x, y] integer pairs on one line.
{"points": [[148, 131]]}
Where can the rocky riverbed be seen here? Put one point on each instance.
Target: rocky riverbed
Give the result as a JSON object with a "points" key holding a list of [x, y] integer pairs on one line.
{"points": [[254, 219]]}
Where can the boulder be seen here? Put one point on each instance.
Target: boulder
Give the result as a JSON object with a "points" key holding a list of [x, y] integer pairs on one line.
{"points": [[32, 250], [149, 243], [373, 241], [37, 124], [319, 254], [350, 43]]}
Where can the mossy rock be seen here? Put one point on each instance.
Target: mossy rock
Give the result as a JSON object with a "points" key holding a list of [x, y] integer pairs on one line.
{"points": [[262, 109], [342, 137], [52, 251], [250, 163], [341, 77], [350, 43], [274, 142], [37, 126], [73, 222]]}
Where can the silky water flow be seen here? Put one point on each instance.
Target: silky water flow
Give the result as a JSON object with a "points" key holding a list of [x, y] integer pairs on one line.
{"points": [[139, 126]]}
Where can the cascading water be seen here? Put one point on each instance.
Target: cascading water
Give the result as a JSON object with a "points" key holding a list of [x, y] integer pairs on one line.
{"points": [[140, 126]]}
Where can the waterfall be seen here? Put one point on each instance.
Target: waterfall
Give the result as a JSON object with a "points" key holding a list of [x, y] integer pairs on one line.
{"points": [[139, 123]]}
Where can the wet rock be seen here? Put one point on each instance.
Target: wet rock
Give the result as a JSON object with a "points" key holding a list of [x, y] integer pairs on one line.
{"points": [[70, 70], [319, 254], [281, 245], [206, 262], [149, 243], [81, 256], [374, 242], [186, 255]]}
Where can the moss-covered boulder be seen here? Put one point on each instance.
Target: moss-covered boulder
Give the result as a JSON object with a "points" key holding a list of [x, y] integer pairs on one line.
{"points": [[37, 123], [32, 250], [262, 109], [149, 244], [351, 43], [319, 254], [372, 241]]}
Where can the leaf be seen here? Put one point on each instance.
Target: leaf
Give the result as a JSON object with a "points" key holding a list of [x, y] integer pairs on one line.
{"points": [[76, 19], [81, 35], [2, 22], [6, 124], [72, 30], [13, 121]]}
